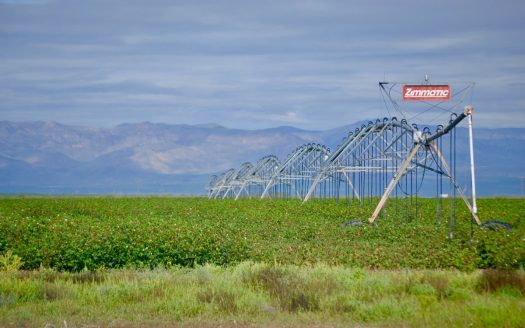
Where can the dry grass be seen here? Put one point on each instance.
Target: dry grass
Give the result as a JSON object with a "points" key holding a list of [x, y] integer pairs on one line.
{"points": [[493, 280], [293, 292], [224, 300]]}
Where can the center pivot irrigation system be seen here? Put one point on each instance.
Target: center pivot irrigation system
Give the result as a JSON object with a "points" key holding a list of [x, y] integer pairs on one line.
{"points": [[382, 164]]}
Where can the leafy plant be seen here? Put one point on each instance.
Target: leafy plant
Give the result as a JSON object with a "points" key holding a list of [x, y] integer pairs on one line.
{"points": [[93, 233], [10, 262]]}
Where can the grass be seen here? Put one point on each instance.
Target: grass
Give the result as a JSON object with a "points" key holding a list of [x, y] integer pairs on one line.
{"points": [[255, 294], [493, 280]]}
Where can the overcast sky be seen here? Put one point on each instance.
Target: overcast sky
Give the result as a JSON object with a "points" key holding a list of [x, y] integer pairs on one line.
{"points": [[252, 64]]}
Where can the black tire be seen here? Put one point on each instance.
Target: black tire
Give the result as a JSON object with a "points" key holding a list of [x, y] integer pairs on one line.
{"points": [[352, 223], [495, 225]]}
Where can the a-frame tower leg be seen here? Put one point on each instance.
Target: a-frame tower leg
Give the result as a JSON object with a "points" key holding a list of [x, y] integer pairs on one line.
{"points": [[399, 174], [453, 179]]}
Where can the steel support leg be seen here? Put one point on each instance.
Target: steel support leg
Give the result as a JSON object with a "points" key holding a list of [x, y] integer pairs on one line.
{"points": [[351, 186], [402, 170], [448, 172]]}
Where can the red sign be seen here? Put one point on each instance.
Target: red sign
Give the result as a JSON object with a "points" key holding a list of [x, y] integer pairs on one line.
{"points": [[426, 92]]}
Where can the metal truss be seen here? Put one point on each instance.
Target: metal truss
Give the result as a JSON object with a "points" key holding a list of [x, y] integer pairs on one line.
{"points": [[294, 176], [248, 180], [212, 184], [235, 181], [219, 184], [367, 157], [385, 158], [253, 184]]}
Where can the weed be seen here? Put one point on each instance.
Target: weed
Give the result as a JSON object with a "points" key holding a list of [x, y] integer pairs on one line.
{"points": [[342, 303], [53, 292], [491, 280], [223, 299], [7, 299], [10, 262], [292, 292], [88, 277], [438, 281], [303, 302]]}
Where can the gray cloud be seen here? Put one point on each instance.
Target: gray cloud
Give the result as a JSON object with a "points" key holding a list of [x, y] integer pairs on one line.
{"points": [[251, 64]]}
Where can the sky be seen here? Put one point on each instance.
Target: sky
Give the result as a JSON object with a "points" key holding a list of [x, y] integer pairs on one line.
{"points": [[253, 64]]}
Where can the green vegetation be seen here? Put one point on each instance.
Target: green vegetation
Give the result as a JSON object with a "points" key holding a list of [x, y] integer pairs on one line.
{"points": [[263, 295], [192, 262], [73, 234], [10, 262]]}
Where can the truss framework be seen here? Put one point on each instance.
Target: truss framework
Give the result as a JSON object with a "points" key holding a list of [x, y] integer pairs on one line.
{"points": [[371, 162], [294, 176], [380, 158]]}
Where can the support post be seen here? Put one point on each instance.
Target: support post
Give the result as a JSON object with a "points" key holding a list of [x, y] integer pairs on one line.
{"points": [[468, 112], [400, 172], [267, 188], [240, 190], [351, 185], [448, 172]]}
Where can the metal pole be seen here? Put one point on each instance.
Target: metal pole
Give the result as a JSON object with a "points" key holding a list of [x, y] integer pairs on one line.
{"points": [[468, 112]]}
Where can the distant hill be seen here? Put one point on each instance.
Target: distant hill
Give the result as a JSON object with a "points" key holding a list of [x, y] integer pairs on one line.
{"points": [[51, 158]]}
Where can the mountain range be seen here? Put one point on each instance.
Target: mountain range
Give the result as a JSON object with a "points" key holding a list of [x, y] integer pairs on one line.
{"points": [[155, 158]]}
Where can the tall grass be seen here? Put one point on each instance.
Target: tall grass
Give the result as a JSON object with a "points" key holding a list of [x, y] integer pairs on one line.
{"points": [[258, 294]]}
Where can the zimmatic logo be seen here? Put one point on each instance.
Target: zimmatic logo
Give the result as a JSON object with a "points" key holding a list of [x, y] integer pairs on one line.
{"points": [[426, 92]]}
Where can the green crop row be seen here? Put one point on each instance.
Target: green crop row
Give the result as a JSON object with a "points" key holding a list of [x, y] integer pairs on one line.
{"points": [[72, 234]]}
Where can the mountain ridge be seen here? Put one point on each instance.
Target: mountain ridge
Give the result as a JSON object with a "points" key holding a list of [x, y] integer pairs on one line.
{"points": [[178, 158]]}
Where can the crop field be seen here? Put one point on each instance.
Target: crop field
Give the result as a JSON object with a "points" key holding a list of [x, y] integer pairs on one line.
{"points": [[194, 262], [73, 234]]}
